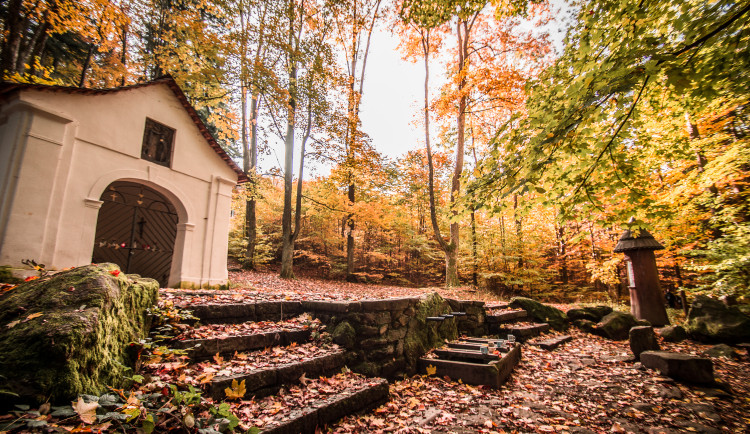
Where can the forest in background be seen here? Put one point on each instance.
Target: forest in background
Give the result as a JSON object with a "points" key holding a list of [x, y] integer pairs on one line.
{"points": [[533, 162]]}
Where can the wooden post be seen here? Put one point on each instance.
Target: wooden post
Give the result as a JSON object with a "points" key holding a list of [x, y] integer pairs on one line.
{"points": [[646, 297], [683, 298]]}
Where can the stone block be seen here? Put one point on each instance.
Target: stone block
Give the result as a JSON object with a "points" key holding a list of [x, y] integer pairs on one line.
{"points": [[642, 339], [682, 367], [372, 343], [396, 334], [388, 304], [367, 331]]}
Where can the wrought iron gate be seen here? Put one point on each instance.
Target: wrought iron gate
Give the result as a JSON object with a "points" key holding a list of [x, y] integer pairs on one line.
{"points": [[136, 230]]}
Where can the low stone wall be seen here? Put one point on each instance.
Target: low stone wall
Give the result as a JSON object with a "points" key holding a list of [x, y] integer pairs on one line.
{"points": [[383, 338], [387, 337]]}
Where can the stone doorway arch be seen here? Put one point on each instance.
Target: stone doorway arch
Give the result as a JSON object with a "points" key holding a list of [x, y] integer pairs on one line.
{"points": [[136, 229]]}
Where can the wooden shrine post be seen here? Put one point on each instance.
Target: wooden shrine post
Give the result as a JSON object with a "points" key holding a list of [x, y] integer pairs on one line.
{"points": [[646, 297]]}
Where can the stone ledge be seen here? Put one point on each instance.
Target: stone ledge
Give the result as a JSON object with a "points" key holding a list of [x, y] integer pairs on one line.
{"points": [[267, 381], [308, 419], [682, 367]]}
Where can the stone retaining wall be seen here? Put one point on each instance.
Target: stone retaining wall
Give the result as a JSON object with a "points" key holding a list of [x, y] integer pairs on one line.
{"points": [[382, 337]]}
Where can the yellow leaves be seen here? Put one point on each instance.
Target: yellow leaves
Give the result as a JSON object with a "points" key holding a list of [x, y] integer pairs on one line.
{"points": [[205, 377], [237, 391], [33, 315], [87, 411], [12, 324], [218, 359], [431, 370]]}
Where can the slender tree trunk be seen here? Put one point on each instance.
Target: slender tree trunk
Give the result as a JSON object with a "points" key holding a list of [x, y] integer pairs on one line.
{"points": [[14, 30], [474, 258], [124, 54], [519, 231], [251, 224], [85, 67], [26, 54], [561, 249], [287, 243]]}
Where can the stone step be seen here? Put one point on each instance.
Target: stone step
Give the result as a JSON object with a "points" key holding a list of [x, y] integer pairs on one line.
{"points": [[315, 415], [523, 332], [508, 316], [267, 381], [497, 305], [201, 349], [464, 355], [234, 313], [491, 373], [552, 343]]}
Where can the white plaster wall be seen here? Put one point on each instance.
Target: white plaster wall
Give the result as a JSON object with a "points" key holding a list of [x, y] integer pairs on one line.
{"points": [[76, 145]]}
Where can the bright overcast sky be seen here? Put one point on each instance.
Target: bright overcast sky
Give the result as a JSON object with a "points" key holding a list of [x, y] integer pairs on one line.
{"points": [[392, 98]]}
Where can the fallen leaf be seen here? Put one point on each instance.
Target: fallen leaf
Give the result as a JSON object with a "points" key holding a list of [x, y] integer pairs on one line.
{"points": [[87, 411], [32, 316], [237, 391], [12, 324], [431, 370]]}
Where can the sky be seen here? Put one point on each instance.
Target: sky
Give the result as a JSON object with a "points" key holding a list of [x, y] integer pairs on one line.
{"points": [[393, 97]]}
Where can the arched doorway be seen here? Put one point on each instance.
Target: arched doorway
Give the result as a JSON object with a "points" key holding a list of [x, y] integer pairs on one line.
{"points": [[136, 230]]}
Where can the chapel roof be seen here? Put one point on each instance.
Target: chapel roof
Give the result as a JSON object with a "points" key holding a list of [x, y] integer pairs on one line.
{"points": [[8, 88]]}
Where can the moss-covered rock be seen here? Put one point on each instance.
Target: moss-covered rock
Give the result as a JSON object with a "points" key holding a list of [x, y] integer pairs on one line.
{"points": [[67, 334], [578, 314], [542, 312], [710, 320], [722, 350], [585, 325], [591, 313], [673, 333], [344, 335], [616, 326]]}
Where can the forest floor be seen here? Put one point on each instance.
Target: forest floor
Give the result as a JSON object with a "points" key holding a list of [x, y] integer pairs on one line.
{"points": [[590, 384]]}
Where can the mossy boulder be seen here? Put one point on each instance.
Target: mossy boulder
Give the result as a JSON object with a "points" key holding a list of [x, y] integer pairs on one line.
{"points": [[541, 312], [616, 326], [722, 350], [673, 333], [710, 320], [591, 313], [67, 334], [585, 325]]}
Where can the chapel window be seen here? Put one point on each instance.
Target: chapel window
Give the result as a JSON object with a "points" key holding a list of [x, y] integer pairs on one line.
{"points": [[158, 140]]}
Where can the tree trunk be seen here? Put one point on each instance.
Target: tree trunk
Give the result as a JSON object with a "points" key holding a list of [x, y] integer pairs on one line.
{"points": [[287, 243], [519, 232], [251, 224], [85, 67], [474, 258], [13, 27]]}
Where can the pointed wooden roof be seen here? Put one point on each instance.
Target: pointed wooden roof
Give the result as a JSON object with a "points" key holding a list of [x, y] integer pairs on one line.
{"points": [[644, 241], [8, 88]]}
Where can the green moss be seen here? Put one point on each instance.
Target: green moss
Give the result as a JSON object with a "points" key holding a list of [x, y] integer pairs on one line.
{"points": [[78, 343], [6, 275], [344, 335], [542, 312]]}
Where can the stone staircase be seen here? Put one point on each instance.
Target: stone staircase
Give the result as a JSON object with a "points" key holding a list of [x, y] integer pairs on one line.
{"points": [[387, 338], [503, 320], [271, 362]]}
